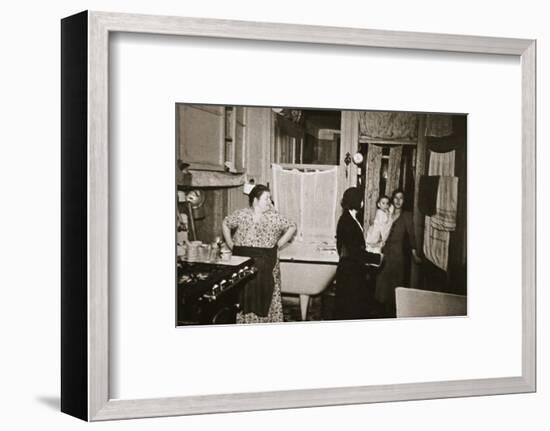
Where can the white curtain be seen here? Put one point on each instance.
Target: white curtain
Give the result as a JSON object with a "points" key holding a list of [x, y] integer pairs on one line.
{"points": [[442, 164], [287, 191], [446, 204], [436, 244], [319, 205], [309, 199], [437, 228]]}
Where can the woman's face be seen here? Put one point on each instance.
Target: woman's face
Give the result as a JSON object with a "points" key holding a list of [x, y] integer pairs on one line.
{"points": [[398, 200], [263, 203]]}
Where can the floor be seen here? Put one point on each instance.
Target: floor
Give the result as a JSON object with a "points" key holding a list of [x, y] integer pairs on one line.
{"points": [[321, 307]]}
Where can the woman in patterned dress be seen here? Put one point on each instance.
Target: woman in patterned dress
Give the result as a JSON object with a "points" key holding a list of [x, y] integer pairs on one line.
{"points": [[258, 231]]}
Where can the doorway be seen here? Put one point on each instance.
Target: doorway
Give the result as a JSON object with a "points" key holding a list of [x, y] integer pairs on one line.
{"points": [[388, 167]]}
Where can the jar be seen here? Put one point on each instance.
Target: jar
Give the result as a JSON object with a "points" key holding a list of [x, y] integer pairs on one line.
{"points": [[226, 254]]}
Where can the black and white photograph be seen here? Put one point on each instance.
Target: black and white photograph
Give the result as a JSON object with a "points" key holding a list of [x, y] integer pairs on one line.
{"points": [[293, 214], [275, 215]]}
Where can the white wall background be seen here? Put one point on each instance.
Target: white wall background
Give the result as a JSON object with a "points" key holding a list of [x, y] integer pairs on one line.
{"points": [[29, 220]]}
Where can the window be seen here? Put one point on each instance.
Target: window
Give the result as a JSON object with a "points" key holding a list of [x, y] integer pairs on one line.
{"points": [[307, 137]]}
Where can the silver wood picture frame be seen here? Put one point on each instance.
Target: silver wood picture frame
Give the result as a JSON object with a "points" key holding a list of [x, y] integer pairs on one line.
{"points": [[85, 215]]}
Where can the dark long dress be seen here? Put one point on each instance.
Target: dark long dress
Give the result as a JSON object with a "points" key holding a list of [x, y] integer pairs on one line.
{"points": [[397, 258], [352, 276], [263, 233]]}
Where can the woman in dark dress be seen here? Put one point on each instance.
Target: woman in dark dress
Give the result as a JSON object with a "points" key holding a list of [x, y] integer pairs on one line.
{"points": [[398, 249], [352, 278]]}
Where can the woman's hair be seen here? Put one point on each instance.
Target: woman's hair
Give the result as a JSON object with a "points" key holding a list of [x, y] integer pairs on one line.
{"points": [[352, 199], [256, 193], [395, 192]]}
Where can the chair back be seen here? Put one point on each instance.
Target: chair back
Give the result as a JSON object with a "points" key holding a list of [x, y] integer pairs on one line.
{"points": [[425, 303]]}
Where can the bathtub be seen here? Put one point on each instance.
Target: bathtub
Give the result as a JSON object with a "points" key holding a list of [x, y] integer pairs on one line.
{"points": [[306, 271]]}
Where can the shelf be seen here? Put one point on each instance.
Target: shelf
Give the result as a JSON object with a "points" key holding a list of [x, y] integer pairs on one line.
{"points": [[195, 178]]}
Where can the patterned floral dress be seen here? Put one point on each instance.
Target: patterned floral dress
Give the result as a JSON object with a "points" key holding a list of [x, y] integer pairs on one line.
{"points": [[264, 233]]}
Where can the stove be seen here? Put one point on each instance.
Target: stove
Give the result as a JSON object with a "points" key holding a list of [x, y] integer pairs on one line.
{"points": [[208, 293]]}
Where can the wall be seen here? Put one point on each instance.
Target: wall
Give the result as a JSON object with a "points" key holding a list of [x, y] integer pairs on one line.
{"points": [[257, 147], [258, 144], [30, 217]]}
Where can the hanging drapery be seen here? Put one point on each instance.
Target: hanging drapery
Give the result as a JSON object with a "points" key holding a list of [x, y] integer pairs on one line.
{"points": [[319, 192], [439, 125], [372, 182], [394, 169], [436, 244], [427, 194], [456, 143], [437, 229], [388, 125], [287, 189], [446, 204], [309, 199], [442, 164]]}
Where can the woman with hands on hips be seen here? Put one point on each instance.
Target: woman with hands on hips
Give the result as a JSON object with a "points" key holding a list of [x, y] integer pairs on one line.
{"points": [[258, 232]]}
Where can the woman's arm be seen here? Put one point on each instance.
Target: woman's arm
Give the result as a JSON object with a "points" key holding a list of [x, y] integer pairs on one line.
{"points": [[230, 223], [289, 233], [227, 235]]}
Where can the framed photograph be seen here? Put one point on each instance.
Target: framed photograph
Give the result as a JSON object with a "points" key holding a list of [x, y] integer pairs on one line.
{"points": [[260, 216], [334, 241]]}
